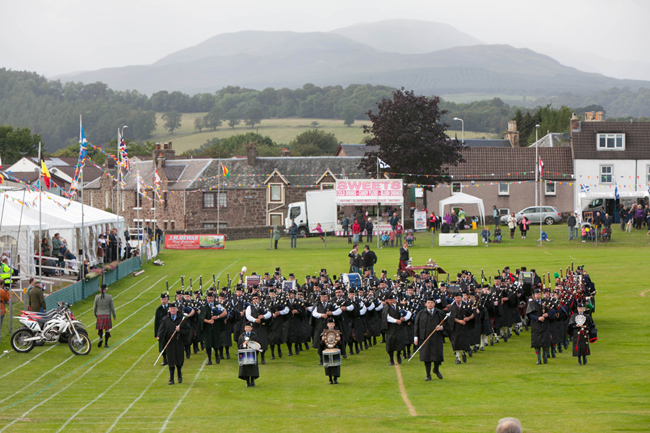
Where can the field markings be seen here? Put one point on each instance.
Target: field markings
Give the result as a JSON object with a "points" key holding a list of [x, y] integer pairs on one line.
{"points": [[164, 426], [135, 401], [106, 390], [402, 390], [118, 295], [107, 354], [38, 379]]}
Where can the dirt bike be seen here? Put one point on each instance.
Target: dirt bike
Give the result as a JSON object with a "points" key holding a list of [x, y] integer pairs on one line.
{"points": [[58, 325]]}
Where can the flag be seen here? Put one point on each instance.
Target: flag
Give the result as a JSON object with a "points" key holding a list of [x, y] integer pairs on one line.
{"points": [[382, 164], [541, 167], [226, 173], [123, 153], [45, 173], [83, 152], [616, 194], [584, 187], [156, 184]]}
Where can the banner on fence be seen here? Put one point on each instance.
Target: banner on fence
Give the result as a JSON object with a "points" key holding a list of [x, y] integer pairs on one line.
{"points": [[194, 242], [457, 239], [420, 220]]}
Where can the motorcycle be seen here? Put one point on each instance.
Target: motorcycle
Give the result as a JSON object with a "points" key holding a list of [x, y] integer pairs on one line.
{"points": [[58, 325]]}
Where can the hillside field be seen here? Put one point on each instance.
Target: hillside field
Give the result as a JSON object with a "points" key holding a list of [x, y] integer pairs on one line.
{"points": [[281, 131], [119, 390]]}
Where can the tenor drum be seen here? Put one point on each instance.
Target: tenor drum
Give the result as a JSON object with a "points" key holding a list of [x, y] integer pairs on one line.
{"points": [[247, 356], [254, 345], [351, 280], [331, 358]]}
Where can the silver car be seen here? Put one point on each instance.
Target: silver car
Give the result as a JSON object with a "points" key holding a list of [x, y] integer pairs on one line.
{"points": [[548, 214]]}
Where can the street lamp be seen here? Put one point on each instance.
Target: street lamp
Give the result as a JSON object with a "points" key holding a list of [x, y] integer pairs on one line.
{"points": [[462, 125]]}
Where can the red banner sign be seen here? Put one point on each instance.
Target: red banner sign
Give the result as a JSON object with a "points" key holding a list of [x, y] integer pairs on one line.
{"points": [[194, 242]]}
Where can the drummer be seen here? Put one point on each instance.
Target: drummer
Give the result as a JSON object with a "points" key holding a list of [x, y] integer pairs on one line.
{"points": [[333, 372], [248, 372]]}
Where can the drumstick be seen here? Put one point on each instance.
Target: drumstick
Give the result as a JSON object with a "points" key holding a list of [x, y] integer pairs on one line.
{"points": [[434, 330], [170, 340]]}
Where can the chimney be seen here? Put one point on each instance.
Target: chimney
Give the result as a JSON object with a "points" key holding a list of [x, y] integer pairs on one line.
{"points": [[165, 153], [575, 123], [252, 154], [600, 116], [590, 116], [157, 146], [285, 152], [512, 134]]}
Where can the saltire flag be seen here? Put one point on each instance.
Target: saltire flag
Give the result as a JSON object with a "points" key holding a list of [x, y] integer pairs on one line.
{"points": [[83, 152], [45, 173], [226, 173], [382, 164], [584, 187], [541, 167], [123, 153]]}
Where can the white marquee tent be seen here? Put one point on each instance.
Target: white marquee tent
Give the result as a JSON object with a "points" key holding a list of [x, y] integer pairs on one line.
{"points": [[19, 235], [466, 199], [64, 218]]}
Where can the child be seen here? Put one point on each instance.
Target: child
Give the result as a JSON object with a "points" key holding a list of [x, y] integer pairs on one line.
{"points": [[584, 233], [392, 238], [579, 326], [497, 235], [544, 237], [486, 235], [248, 372], [333, 372], [409, 239], [319, 229], [384, 239]]}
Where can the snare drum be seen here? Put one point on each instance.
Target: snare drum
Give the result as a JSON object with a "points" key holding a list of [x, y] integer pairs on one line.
{"points": [[331, 358], [351, 280], [247, 356]]}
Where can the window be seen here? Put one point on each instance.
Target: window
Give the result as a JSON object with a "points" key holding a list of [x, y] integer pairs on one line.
{"points": [[165, 200], [611, 141], [173, 225], [105, 200], [211, 199], [137, 200], [214, 225], [165, 225], [504, 189], [276, 219], [276, 192], [294, 213], [326, 186], [549, 188], [456, 187], [647, 175], [607, 174]]}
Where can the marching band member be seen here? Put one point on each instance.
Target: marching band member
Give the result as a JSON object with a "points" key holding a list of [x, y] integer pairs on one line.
{"points": [[248, 372]]}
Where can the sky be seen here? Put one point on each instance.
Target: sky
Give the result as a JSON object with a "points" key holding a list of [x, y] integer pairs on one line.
{"points": [[56, 37]]}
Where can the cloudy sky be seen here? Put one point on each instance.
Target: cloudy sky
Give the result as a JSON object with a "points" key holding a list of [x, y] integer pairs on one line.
{"points": [[61, 36]]}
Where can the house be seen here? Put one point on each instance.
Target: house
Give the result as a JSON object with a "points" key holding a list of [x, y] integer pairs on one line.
{"points": [[61, 170], [194, 194], [611, 163]]}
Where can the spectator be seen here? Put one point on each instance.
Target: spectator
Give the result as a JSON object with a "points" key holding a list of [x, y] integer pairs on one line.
{"points": [[391, 236], [159, 237], [36, 298], [399, 229], [607, 221], [318, 229], [497, 234], [46, 251], [509, 425], [4, 298], [369, 228], [638, 217], [56, 248], [345, 223], [394, 220], [598, 220], [544, 237], [101, 248], [485, 234], [362, 227], [293, 234], [584, 233], [523, 226], [410, 238], [356, 229], [495, 215], [432, 222], [384, 239], [462, 219], [276, 236], [454, 221], [622, 216], [512, 224], [571, 222], [355, 260]]}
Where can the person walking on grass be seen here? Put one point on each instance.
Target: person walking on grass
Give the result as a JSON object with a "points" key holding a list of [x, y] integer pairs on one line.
{"points": [[276, 236], [103, 309], [320, 232], [293, 234]]}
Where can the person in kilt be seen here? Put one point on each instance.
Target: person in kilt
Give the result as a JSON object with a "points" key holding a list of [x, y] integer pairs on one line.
{"points": [[103, 308]]}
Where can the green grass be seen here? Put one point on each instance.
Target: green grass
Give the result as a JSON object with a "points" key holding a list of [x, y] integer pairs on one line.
{"points": [[281, 131], [611, 393]]}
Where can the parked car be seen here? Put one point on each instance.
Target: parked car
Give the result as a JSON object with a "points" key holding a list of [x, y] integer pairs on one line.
{"points": [[548, 214], [503, 212]]}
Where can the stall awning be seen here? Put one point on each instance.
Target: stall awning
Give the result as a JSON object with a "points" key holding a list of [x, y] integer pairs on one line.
{"points": [[369, 192]]}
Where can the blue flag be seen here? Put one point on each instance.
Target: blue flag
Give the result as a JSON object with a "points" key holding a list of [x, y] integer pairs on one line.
{"points": [[616, 194], [83, 144]]}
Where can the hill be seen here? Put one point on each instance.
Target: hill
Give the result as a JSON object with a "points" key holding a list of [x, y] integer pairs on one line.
{"points": [[287, 59], [407, 36]]}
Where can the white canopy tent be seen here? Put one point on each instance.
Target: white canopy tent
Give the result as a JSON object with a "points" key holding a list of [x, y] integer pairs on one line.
{"points": [[462, 198], [19, 235], [64, 217]]}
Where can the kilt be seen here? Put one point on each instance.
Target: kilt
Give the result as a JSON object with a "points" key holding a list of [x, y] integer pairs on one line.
{"points": [[104, 322]]}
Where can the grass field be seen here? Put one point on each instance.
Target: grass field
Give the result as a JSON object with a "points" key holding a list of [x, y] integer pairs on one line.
{"points": [[118, 389], [281, 131]]}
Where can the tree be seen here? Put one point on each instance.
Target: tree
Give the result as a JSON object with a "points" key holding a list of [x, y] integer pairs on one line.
{"points": [[233, 118], [198, 123], [410, 137], [349, 114], [16, 143], [314, 142], [253, 116], [172, 120], [213, 118]]}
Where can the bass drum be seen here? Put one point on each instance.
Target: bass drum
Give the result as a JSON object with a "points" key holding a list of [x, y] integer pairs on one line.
{"points": [[351, 280]]}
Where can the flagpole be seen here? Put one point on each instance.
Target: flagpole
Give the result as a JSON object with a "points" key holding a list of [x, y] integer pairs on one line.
{"points": [[218, 193], [40, 208], [83, 234], [117, 190]]}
